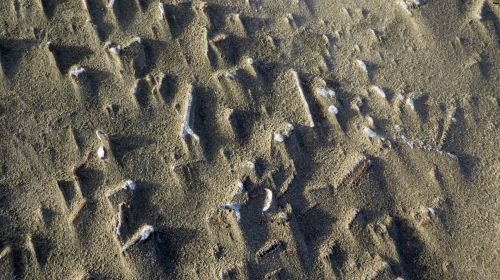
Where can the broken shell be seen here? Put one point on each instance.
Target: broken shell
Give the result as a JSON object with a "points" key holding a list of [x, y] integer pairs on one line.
{"points": [[303, 97], [372, 134], [325, 38], [410, 103], [110, 4], [369, 120], [186, 129], [250, 165], [278, 137], [283, 216], [129, 185], [230, 75], [327, 93], [284, 133], [268, 201], [77, 71], [101, 135], [362, 65], [233, 207], [239, 187], [101, 152], [119, 224], [378, 91], [219, 37], [332, 109], [146, 232], [137, 39], [405, 7], [289, 129], [162, 10], [143, 235], [115, 50]]}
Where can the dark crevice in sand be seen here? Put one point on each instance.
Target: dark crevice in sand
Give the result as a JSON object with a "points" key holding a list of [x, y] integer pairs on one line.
{"points": [[123, 145], [11, 53]]}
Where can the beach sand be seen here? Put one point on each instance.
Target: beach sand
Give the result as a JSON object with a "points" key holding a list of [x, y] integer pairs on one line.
{"points": [[249, 139]]}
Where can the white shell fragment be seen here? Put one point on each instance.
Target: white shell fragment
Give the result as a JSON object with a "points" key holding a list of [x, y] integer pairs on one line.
{"points": [[289, 129], [230, 75], [362, 65], [421, 145], [408, 142], [410, 103], [111, 3], [327, 93], [101, 152], [129, 185], [115, 50], [325, 38], [144, 233], [219, 37], [119, 225], [332, 109], [77, 71], [372, 134], [112, 48], [239, 187], [303, 97], [378, 91], [162, 10], [233, 207], [118, 228], [369, 120], [137, 39], [405, 7], [186, 129], [278, 137], [268, 201], [346, 11], [250, 165], [101, 135]]}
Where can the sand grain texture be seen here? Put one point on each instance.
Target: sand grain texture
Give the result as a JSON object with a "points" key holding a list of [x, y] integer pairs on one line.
{"points": [[353, 139]]}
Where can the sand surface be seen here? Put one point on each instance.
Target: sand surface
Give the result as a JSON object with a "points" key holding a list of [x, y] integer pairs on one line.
{"points": [[249, 139]]}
